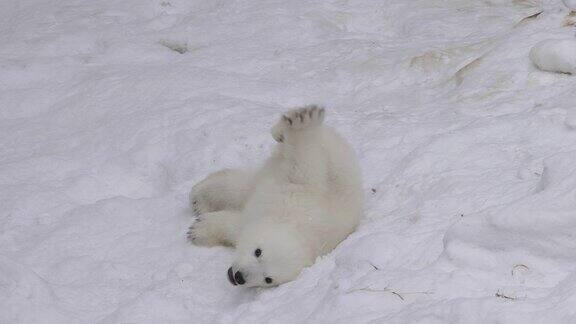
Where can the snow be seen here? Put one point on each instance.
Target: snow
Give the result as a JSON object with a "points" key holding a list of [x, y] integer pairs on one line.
{"points": [[570, 4], [555, 55], [111, 110]]}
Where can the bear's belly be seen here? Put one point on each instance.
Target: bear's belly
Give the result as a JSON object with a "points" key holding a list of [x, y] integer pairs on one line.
{"points": [[309, 211], [287, 202]]}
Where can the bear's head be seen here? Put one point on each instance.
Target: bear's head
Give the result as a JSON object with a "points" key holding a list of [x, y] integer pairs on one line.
{"points": [[269, 254]]}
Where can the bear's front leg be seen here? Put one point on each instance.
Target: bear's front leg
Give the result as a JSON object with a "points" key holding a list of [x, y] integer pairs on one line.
{"points": [[303, 152], [216, 228]]}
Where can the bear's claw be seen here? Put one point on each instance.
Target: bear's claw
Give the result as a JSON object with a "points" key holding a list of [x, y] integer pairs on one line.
{"points": [[305, 117], [298, 119], [199, 233]]}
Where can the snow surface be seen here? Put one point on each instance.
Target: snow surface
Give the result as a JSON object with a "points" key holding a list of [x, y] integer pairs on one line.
{"points": [[555, 55], [111, 110], [570, 4]]}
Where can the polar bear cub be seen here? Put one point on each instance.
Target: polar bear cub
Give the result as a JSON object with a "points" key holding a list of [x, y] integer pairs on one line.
{"points": [[299, 205]]}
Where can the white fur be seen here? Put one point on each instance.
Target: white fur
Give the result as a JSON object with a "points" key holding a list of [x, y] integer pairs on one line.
{"points": [[304, 201]]}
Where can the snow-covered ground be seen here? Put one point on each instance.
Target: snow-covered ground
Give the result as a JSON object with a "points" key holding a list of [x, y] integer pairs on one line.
{"points": [[111, 110], [555, 55]]}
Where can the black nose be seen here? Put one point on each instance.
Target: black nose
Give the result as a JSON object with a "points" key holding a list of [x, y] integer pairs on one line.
{"points": [[231, 276], [239, 278]]}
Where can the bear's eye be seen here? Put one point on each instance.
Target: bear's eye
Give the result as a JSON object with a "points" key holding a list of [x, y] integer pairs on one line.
{"points": [[258, 253], [268, 280]]}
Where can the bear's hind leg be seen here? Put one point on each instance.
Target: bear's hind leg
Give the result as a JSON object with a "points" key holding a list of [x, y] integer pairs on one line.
{"points": [[222, 190], [216, 228]]}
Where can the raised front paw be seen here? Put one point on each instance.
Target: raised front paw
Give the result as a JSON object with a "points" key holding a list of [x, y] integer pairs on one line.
{"points": [[278, 132], [302, 118]]}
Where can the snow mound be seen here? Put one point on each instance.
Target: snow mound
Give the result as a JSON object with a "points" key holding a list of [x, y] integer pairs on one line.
{"points": [[555, 55]]}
